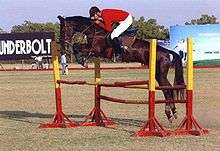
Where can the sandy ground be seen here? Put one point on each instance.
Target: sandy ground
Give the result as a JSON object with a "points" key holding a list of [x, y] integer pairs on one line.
{"points": [[27, 99]]}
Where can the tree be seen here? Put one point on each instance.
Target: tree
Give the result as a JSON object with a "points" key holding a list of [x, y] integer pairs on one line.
{"points": [[150, 29], [2, 31], [204, 19], [28, 26]]}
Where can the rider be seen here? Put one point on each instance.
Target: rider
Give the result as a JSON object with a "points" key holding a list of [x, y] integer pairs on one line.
{"points": [[105, 19]]}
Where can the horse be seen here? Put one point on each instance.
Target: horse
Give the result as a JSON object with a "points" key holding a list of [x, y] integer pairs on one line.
{"points": [[137, 50]]}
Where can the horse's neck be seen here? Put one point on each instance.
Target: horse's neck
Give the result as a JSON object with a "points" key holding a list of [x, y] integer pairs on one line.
{"points": [[128, 41], [99, 31]]}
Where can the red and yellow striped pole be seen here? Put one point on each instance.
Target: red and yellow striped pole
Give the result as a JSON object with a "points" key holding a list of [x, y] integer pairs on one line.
{"points": [[97, 116], [97, 113], [60, 119], [152, 127], [152, 83], [56, 76], [189, 125], [189, 87]]}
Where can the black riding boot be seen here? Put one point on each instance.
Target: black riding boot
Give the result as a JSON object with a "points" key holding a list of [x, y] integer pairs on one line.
{"points": [[118, 48], [79, 58]]}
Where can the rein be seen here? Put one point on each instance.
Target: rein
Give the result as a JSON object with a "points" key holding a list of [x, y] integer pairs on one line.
{"points": [[92, 36], [87, 28]]}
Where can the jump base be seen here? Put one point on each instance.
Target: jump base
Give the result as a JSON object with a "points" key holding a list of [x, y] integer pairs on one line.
{"points": [[152, 128], [60, 121], [97, 118]]}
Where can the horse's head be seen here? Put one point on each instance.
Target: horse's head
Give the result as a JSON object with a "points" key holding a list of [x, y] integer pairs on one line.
{"points": [[69, 27]]}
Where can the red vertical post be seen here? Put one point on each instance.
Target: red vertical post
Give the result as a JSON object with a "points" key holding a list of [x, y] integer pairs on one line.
{"points": [[189, 125], [189, 107], [151, 110], [60, 119], [58, 103], [97, 116], [152, 127]]}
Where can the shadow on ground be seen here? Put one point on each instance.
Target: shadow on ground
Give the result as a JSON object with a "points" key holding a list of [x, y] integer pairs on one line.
{"points": [[24, 116]]}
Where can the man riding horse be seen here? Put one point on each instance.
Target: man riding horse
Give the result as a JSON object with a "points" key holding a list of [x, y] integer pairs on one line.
{"points": [[106, 18], [138, 51]]}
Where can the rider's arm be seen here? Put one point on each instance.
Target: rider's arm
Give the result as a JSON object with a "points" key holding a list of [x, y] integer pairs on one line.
{"points": [[103, 25], [100, 24], [108, 26], [106, 16]]}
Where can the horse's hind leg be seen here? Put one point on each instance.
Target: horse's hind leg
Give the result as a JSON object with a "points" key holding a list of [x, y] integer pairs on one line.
{"points": [[162, 69]]}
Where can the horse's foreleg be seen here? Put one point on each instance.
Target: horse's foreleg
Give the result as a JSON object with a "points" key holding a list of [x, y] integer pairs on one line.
{"points": [[161, 76]]}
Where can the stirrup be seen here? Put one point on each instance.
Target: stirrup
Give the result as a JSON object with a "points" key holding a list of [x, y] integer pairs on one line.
{"points": [[118, 58]]}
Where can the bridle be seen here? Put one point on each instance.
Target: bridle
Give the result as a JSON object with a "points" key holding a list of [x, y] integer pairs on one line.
{"points": [[91, 53]]}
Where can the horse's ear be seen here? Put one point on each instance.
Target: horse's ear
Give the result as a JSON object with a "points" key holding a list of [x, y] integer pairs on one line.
{"points": [[60, 17]]}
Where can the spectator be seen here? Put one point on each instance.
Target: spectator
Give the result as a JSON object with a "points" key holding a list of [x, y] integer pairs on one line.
{"points": [[64, 64], [39, 62]]}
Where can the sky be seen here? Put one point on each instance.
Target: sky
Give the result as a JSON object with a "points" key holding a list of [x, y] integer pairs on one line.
{"points": [[166, 12]]}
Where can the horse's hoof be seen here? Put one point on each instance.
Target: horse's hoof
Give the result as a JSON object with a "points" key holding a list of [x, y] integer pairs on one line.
{"points": [[175, 115], [171, 119], [85, 65]]}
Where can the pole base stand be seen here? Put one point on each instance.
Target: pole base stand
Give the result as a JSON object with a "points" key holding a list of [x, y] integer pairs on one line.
{"points": [[189, 126], [60, 121], [97, 118], [152, 128]]}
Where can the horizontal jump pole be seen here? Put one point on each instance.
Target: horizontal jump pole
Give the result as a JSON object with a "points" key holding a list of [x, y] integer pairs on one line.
{"points": [[171, 101], [117, 100], [176, 87], [131, 83], [111, 99], [142, 86], [71, 82], [102, 84]]}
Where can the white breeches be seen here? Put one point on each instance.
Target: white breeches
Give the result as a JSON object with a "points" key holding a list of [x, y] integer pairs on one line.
{"points": [[123, 25]]}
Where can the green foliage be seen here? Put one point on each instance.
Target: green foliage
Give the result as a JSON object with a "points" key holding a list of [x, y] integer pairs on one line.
{"points": [[204, 19], [2, 31], [28, 26], [150, 29]]}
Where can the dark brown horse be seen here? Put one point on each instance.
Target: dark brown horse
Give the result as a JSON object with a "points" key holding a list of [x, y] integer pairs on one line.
{"points": [[137, 51]]}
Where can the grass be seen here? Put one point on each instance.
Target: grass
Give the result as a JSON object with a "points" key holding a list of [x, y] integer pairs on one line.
{"points": [[27, 99]]}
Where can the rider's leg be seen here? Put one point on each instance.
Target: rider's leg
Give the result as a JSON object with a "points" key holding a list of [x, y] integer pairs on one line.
{"points": [[122, 27], [117, 46], [77, 55], [118, 31], [63, 68]]}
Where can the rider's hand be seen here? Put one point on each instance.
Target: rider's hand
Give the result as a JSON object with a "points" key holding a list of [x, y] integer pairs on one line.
{"points": [[97, 21], [100, 19], [93, 18]]}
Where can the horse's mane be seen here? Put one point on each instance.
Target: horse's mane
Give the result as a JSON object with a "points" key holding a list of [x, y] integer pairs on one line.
{"points": [[79, 19]]}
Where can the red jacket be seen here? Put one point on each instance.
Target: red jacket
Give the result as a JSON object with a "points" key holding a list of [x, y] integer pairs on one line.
{"points": [[111, 16]]}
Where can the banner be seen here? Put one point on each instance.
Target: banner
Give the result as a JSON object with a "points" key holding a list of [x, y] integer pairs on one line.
{"points": [[25, 45], [206, 41]]}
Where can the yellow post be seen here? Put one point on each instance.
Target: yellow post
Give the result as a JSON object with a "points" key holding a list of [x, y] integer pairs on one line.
{"points": [[152, 83], [97, 71], [189, 64], [189, 87], [152, 127], [60, 119], [97, 109], [152, 65], [55, 61]]}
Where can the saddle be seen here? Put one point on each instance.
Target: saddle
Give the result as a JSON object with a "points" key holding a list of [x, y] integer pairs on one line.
{"points": [[131, 31], [127, 38]]}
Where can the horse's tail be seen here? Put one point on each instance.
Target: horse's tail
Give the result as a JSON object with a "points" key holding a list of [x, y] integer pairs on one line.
{"points": [[179, 75]]}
